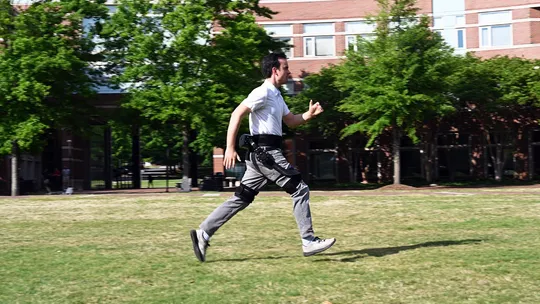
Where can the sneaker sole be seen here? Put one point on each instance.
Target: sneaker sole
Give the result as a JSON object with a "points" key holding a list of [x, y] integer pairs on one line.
{"points": [[195, 241], [306, 254]]}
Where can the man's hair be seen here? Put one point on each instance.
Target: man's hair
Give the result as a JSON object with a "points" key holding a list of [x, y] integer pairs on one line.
{"points": [[271, 61]]}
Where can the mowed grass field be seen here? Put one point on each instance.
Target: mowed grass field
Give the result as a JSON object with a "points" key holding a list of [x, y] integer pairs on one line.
{"points": [[446, 246]]}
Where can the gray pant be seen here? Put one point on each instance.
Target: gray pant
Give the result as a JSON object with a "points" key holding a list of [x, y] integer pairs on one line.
{"points": [[256, 180]]}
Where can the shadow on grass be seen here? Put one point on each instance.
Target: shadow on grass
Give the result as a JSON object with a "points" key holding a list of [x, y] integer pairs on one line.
{"points": [[253, 259], [360, 254], [380, 252]]}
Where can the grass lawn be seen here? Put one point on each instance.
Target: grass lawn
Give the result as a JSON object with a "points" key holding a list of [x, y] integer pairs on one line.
{"points": [[457, 246]]}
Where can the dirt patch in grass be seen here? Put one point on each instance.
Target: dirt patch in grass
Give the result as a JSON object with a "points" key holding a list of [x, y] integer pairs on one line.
{"points": [[397, 187]]}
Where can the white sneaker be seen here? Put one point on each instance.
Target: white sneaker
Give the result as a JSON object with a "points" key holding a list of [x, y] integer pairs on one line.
{"points": [[317, 245], [199, 244]]}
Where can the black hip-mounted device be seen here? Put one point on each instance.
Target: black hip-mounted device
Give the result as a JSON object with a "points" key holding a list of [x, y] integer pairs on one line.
{"points": [[264, 157]]}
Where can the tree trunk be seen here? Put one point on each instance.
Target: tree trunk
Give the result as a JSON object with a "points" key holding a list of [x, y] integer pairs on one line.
{"points": [[396, 138], [429, 168], [429, 153], [499, 164], [351, 165], [193, 160], [136, 157], [495, 151], [167, 162], [14, 170], [186, 185]]}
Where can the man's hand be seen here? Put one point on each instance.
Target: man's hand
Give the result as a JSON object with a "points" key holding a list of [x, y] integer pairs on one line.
{"points": [[230, 158], [293, 120], [314, 110]]}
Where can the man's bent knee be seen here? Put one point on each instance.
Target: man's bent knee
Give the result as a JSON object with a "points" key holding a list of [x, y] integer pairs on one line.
{"points": [[245, 193], [292, 185]]}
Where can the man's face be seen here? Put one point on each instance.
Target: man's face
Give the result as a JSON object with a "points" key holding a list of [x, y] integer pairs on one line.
{"points": [[283, 73]]}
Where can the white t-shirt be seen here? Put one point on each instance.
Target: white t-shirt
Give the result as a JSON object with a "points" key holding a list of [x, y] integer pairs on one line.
{"points": [[267, 110]]}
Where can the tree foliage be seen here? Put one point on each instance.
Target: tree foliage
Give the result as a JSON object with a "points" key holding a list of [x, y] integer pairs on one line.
{"points": [[399, 79], [322, 87], [186, 64], [500, 97], [45, 69]]}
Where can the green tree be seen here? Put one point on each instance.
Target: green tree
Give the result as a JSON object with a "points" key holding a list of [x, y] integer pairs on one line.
{"points": [[187, 63], [398, 80], [323, 88], [45, 70], [500, 95]]}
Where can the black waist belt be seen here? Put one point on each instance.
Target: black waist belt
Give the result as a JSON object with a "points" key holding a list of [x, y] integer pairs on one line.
{"points": [[268, 140]]}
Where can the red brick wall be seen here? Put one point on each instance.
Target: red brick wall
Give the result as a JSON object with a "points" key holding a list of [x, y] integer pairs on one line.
{"points": [[426, 6], [324, 10], [298, 49], [472, 37], [298, 29], [339, 9], [340, 45], [530, 52], [522, 13], [471, 18], [304, 67], [472, 32], [340, 26], [484, 4], [218, 160], [340, 39], [535, 12], [522, 33], [535, 32], [320, 10]]}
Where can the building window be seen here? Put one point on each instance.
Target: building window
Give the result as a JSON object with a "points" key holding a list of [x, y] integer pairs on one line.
{"points": [[351, 41], [495, 28], [319, 28], [319, 46], [287, 51], [448, 7], [496, 35], [282, 32], [355, 29], [461, 38], [319, 39], [359, 27], [278, 29], [495, 17], [449, 29]]}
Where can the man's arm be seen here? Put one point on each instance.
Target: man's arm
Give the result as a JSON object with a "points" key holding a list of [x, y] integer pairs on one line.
{"points": [[230, 152], [293, 120]]}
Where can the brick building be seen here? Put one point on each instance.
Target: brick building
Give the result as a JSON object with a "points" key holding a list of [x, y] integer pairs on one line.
{"points": [[320, 31]]}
